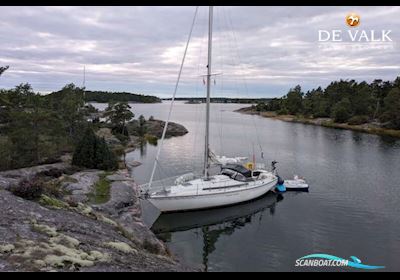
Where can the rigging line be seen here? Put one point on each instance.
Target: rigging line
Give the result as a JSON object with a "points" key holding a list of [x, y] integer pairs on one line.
{"points": [[245, 83], [164, 175], [173, 98], [229, 40], [219, 44], [197, 116]]}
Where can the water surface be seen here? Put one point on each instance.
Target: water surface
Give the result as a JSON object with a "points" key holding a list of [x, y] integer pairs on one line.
{"points": [[352, 209]]}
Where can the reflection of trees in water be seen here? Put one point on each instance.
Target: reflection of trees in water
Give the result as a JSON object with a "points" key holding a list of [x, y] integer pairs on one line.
{"points": [[388, 142], [143, 148]]}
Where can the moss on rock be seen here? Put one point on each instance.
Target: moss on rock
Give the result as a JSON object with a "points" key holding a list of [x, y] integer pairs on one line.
{"points": [[52, 202]]}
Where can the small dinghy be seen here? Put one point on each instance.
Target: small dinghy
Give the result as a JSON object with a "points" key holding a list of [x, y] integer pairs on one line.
{"points": [[297, 184]]}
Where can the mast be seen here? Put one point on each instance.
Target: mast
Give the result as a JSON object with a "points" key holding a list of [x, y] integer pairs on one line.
{"points": [[84, 76], [207, 144], [84, 85]]}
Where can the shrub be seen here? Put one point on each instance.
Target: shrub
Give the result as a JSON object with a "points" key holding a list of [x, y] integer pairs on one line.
{"points": [[283, 111], [28, 189], [151, 247], [52, 188], [151, 139], [53, 172], [261, 107], [357, 120]]}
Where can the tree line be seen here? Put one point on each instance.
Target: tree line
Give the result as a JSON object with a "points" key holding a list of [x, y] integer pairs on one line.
{"points": [[345, 101], [106, 97], [37, 129]]}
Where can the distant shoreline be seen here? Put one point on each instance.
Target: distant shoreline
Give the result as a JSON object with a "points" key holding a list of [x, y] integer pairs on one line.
{"points": [[129, 102], [324, 122], [199, 100]]}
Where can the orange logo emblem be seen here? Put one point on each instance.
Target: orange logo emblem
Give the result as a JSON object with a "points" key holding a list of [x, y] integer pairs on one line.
{"points": [[353, 20]]}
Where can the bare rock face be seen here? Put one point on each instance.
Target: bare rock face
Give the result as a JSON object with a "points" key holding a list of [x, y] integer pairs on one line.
{"points": [[67, 235], [124, 207], [36, 238], [80, 184], [156, 127], [6, 183]]}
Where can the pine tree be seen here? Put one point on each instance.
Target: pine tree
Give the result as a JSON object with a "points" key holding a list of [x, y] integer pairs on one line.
{"points": [[93, 152], [341, 112], [294, 99], [119, 114], [392, 108], [142, 126]]}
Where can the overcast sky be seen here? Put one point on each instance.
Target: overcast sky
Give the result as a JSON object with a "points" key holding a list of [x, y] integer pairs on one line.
{"points": [[260, 51]]}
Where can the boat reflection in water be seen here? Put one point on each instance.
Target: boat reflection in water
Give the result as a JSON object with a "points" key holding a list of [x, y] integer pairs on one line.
{"points": [[214, 222]]}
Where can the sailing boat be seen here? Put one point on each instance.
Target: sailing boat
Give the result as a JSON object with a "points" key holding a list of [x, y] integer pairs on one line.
{"points": [[235, 183]]}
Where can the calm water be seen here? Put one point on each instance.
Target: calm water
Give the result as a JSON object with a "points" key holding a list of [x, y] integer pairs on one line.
{"points": [[352, 209]]}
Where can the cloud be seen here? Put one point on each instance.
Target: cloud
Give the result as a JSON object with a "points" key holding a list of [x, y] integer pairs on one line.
{"points": [[260, 51]]}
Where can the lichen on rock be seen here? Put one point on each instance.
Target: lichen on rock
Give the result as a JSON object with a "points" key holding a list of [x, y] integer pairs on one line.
{"points": [[61, 261], [6, 248], [85, 210], [50, 231], [98, 256], [121, 246], [106, 220], [65, 240], [37, 238], [59, 252]]}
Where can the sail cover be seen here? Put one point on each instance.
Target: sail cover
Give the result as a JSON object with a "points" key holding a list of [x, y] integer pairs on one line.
{"points": [[223, 160], [238, 168]]}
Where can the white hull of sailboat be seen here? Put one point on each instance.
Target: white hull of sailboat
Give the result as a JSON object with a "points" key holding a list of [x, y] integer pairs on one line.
{"points": [[211, 200]]}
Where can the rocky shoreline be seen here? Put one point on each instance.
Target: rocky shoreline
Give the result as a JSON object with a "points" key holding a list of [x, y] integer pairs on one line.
{"points": [[371, 128], [154, 129], [71, 233]]}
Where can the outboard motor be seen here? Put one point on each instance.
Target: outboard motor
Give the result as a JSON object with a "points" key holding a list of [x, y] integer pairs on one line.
{"points": [[280, 186], [273, 166]]}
